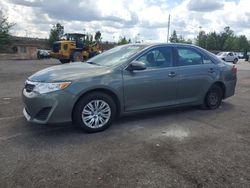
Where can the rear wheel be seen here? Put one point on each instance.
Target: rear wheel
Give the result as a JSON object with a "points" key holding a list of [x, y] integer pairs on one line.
{"points": [[77, 56], [213, 98], [94, 112]]}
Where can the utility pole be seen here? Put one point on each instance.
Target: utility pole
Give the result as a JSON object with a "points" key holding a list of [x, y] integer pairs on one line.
{"points": [[26, 33], [199, 37], [168, 27]]}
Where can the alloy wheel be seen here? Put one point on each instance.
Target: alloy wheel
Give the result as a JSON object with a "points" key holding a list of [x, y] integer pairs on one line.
{"points": [[96, 113], [213, 98]]}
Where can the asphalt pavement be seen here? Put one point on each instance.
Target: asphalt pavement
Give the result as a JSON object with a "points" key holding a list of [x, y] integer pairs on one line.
{"points": [[184, 147]]}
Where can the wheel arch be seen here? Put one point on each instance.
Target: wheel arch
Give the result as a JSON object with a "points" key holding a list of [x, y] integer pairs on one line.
{"points": [[222, 86], [106, 91]]}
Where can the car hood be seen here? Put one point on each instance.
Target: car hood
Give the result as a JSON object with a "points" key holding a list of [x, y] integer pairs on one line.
{"points": [[68, 72]]}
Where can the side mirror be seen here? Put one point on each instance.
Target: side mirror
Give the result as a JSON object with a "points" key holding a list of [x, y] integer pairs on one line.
{"points": [[136, 65]]}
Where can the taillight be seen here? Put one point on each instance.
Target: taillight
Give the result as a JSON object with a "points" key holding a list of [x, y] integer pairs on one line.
{"points": [[234, 69]]}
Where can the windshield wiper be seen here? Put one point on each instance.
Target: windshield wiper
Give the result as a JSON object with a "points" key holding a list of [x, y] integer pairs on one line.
{"points": [[93, 63]]}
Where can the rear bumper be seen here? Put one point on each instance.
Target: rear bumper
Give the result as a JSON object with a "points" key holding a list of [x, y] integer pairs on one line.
{"points": [[230, 88]]}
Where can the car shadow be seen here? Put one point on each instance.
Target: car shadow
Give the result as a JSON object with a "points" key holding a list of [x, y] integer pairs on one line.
{"points": [[68, 129], [154, 114], [64, 129], [226, 106]]}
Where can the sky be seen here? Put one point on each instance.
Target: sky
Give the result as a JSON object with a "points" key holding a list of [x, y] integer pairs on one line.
{"points": [[145, 20]]}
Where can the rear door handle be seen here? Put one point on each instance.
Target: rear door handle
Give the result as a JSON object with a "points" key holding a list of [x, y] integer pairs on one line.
{"points": [[172, 74], [211, 70]]}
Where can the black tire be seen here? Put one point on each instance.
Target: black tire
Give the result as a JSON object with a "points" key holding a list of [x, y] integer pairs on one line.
{"points": [[235, 61], [63, 61], [213, 98], [76, 56], [83, 102]]}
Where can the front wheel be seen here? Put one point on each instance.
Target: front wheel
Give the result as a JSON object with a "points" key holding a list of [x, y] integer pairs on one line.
{"points": [[213, 97], [94, 112], [76, 56]]}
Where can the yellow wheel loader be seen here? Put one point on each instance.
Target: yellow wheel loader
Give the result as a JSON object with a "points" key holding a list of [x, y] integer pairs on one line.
{"points": [[73, 47]]}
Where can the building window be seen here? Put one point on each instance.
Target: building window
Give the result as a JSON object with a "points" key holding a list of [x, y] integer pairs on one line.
{"points": [[23, 49], [14, 48]]}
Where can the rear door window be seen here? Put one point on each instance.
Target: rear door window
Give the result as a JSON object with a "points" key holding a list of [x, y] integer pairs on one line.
{"points": [[189, 57]]}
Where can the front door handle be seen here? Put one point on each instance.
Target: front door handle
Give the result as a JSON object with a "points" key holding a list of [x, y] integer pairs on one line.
{"points": [[172, 74]]}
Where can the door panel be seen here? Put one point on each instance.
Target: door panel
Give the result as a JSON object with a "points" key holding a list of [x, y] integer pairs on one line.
{"points": [[195, 81], [150, 88], [154, 87], [197, 73]]}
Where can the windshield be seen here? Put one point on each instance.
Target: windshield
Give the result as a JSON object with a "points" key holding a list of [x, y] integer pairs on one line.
{"points": [[116, 56], [74, 37]]}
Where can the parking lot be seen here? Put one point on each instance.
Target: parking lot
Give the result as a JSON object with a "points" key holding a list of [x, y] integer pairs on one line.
{"points": [[184, 147]]}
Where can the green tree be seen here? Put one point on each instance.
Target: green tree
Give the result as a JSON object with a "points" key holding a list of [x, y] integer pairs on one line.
{"points": [[189, 41], [123, 40], [56, 32], [181, 39], [242, 43], [89, 39], [201, 39], [211, 41], [230, 44], [228, 31], [5, 37], [98, 36], [174, 37], [224, 36], [226, 40]]}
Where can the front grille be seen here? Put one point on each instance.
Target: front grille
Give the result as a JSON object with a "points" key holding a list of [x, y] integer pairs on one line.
{"points": [[29, 87], [56, 47], [43, 114]]}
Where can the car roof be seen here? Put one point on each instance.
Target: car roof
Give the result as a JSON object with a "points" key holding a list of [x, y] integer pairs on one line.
{"points": [[149, 45], [164, 44]]}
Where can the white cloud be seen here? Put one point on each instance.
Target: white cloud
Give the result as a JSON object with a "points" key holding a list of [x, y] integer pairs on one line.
{"points": [[128, 17], [205, 5]]}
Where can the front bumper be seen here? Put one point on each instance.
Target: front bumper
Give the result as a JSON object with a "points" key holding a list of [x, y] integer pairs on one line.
{"points": [[54, 107]]}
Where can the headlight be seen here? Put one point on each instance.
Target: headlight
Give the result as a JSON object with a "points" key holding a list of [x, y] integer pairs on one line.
{"points": [[49, 87]]}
